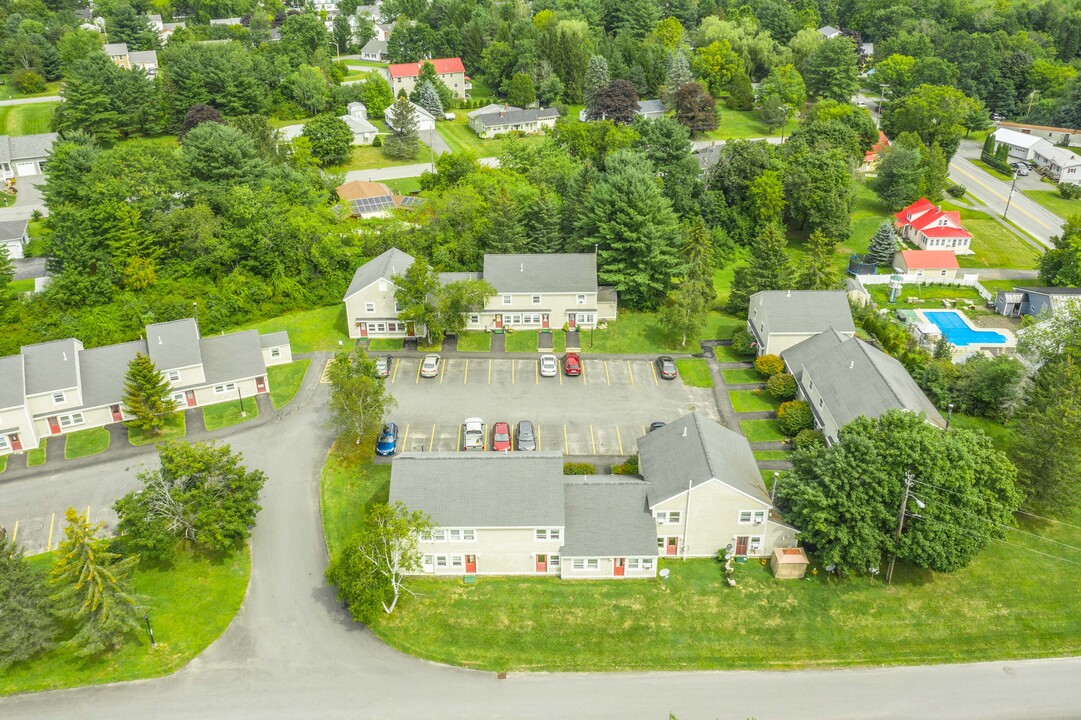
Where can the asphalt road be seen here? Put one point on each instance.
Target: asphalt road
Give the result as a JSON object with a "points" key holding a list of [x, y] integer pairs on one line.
{"points": [[292, 652]]}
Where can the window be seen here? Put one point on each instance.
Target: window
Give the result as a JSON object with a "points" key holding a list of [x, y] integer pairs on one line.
{"points": [[474, 319], [755, 545], [942, 273], [469, 535], [536, 299], [746, 517], [553, 534], [579, 564], [580, 299], [647, 563], [632, 564], [427, 562], [546, 534], [72, 419], [506, 299], [426, 536], [58, 398], [668, 518], [227, 387], [275, 352], [553, 560], [455, 535], [369, 307], [660, 543], [456, 561], [178, 396], [439, 535], [174, 376], [397, 307], [592, 564], [440, 560], [673, 517], [3, 442]]}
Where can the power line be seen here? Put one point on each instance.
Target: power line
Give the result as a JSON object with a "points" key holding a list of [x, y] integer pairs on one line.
{"points": [[1009, 527], [1005, 507], [1004, 542]]}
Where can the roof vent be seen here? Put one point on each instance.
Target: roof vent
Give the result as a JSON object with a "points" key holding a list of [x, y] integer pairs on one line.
{"points": [[851, 364], [789, 294], [684, 431], [159, 340], [521, 267], [65, 354]]}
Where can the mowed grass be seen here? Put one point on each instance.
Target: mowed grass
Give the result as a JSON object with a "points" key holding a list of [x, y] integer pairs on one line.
{"points": [[348, 486], [999, 434], [8, 90], [26, 119], [761, 430], [404, 186], [694, 372], [83, 443], [18, 287], [736, 124], [773, 455], [1053, 201], [189, 605], [741, 376], [931, 296], [474, 341], [37, 456], [991, 171], [231, 412], [309, 330], [645, 333], [753, 401], [285, 381], [366, 157], [527, 341], [175, 427], [993, 245], [3, 463], [384, 344]]}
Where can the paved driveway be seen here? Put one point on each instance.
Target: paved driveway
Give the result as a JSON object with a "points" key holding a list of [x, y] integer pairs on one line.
{"points": [[27, 200]]}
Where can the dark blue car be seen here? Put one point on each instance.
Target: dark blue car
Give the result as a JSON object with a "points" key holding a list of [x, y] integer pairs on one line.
{"points": [[388, 440]]}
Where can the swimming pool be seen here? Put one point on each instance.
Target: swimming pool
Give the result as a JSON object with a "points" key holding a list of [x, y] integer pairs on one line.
{"points": [[958, 332]]}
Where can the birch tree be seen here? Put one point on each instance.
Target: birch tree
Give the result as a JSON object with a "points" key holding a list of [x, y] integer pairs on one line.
{"points": [[358, 398]]}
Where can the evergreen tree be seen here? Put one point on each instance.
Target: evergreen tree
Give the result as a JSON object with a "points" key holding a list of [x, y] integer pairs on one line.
{"points": [[428, 74], [87, 103], [936, 172], [677, 73], [698, 255], [27, 624], [766, 269], [404, 140], [543, 222], [883, 245], [740, 93], [147, 395], [832, 70], [818, 271], [898, 175], [93, 588], [428, 99], [521, 91], [773, 113], [7, 268], [596, 78]]}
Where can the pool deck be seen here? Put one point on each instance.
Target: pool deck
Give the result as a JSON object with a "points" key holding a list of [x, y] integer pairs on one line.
{"points": [[1009, 343]]}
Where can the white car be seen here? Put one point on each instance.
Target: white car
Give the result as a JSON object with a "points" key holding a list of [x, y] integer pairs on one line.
{"points": [[430, 367], [473, 434], [549, 366]]}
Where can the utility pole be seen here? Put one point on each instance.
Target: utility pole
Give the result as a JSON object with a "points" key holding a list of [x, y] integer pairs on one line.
{"points": [[900, 525], [1008, 199]]}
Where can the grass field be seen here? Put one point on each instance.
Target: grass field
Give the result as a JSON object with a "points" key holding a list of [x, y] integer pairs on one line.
{"points": [[645, 333], [735, 124], [742, 376], [991, 171], [1000, 434], [26, 119], [384, 345], [994, 246], [761, 430], [37, 456], [694, 372], [474, 341], [83, 443], [753, 401], [190, 604], [285, 380], [8, 91], [459, 137], [366, 157], [1053, 201], [175, 427], [3, 463], [309, 330], [228, 413], [932, 296], [526, 341], [404, 186], [773, 455], [17, 287], [348, 486], [725, 353]]}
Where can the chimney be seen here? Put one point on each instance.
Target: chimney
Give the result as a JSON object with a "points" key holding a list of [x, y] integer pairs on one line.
{"points": [[503, 111]]}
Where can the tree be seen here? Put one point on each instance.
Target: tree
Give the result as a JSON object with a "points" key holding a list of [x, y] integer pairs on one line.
{"points": [[667, 144], [455, 300], [148, 395], [93, 588], [773, 113], [677, 73], [309, 88], [936, 113], [818, 271], [428, 99], [686, 307], [596, 77], [196, 116], [668, 33], [404, 140], [27, 624], [935, 172], [1061, 265], [695, 108], [897, 176], [217, 156], [967, 492], [883, 245], [832, 70], [768, 365], [1053, 334], [7, 268], [376, 94], [634, 229], [765, 198], [87, 103], [359, 399], [371, 571], [818, 187], [794, 416], [717, 64], [685, 310], [767, 268], [414, 290], [786, 83], [521, 91], [201, 497], [740, 93], [781, 386], [428, 74], [617, 101], [342, 33]]}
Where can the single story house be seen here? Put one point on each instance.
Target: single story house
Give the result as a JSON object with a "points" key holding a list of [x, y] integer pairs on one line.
{"points": [[829, 32], [1034, 300], [13, 237], [365, 199], [425, 120], [842, 378], [929, 228], [1020, 144], [490, 108], [1054, 135], [226, 21], [24, 155], [922, 266], [403, 76], [57, 387], [1057, 163], [356, 117], [529, 120], [649, 109], [374, 50], [779, 319], [163, 29]]}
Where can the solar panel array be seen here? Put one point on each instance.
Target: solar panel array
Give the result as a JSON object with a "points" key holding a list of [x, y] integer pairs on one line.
{"points": [[410, 201], [362, 206]]}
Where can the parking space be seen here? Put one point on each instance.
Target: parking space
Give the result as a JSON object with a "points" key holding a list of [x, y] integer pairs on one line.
{"points": [[42, 533]]}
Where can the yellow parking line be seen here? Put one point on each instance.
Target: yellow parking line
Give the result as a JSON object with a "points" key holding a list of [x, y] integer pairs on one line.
{"points": [[465, 378], [15, 533], [489, 372], [592, 442], [397, 364], [582, 365], [537, 370], [512, 365], [631, 371], [88, 513], [651, 367], [459, 436], [538, 438], [606, 375], [405, 440], [619, 439], [442, 370], [643, 429], [418, 372], [566, 445], [560, 374], [483, 437], [431, 440], [49, 545]]}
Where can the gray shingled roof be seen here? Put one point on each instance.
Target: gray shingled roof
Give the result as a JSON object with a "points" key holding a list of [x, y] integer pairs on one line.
{"points": [[112, 49], [692, 450], [374, 46], [26, 147], [608, 516], [143, 56], [856, 379], [491, 108], [12, 229], [514, 117], [555, 272], [358, 125], [103, 370], [12, 383], [1051, 290], [173, 345], [51, 366], [802, 310], [446, 278], [234, 356], [392, 262], [274, 339], [481, 489], [651, 106]]}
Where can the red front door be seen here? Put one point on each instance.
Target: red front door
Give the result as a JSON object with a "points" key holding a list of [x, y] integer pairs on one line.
{"points": [[189, 398], [542, 563], [470, 563], [363, 329], [544, 321], [741, 545], [260, 384], [117, 415], [570, 320], [618, 567], [54, 425], [498, 321], [16, 443], [671, 545]]}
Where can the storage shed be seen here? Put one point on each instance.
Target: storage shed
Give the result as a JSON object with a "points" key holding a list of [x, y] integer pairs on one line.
{"points": [[789, 563]]}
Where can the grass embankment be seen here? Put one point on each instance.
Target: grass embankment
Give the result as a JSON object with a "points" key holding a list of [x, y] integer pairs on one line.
{"points": [[1053, 201], [741, 376], [26, 119], [231, 412], [285, 381], [176, 426], [646, 333], [320, 329], [83, 443], [993, 244]]}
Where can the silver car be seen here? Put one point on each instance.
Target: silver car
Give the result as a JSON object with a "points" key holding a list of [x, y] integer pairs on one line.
{"points": [[382, 366], [430, 367], [473, 434], [524, 437], [549, 366]]}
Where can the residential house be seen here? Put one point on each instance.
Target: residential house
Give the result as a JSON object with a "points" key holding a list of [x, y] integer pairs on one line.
{"points": [[829, 32], [371, 11], [489, 109], [930, 228], [226, 21], [779, 319], [926, 266], [1034, 300], [57, 387], [403, 76], [370, 305], [648, 109], [1054, 135], [129, 60], [842, 378], [382, 31], [425, 120], [364, 199], [356, 117], [24, 155], [1020, 144], [374, 50], [529, 120], [14, 236], [1057, 163], [870, 158]]}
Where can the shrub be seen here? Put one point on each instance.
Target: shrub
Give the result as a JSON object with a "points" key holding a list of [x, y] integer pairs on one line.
{"points": [[742, 342], [782, 386], [1069, 191], [377, 142], [627, 467], [769, 365], [28, 81], [577, 468], [957, 191], [794, 416], [806, 439]]}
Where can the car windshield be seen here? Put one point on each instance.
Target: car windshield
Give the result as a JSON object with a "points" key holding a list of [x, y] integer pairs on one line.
{"points": [[502, 437], [525, 432]]}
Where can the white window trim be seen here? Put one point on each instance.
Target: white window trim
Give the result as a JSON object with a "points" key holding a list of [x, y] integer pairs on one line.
{"points": [[593, 564], [3, 442], [174, 376], [507, 299], [227, 387], [62, 398], [580, 300], [369, 307], [579, 564], [275, 352], [536, 299]]}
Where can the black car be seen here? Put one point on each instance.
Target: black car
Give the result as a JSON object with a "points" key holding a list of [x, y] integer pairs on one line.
{"points": [[525, 437], [666, 366]]}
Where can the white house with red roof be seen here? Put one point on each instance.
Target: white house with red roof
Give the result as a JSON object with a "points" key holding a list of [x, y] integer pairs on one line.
{"points": [[923, 224], [403, 76], [926, 266]]}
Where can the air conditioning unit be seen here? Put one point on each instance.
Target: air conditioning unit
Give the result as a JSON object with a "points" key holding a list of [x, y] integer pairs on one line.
{"points": [[757, 522]]}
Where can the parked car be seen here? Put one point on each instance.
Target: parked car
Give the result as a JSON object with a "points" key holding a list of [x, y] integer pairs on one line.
{"points": [[656, 425], [997, 117], [524, 436], [549, 365], [430, 367], [666, 366], [473, 434], [382, 366], [388, 440], [572, 364], [501, 437], [1022, 169]]}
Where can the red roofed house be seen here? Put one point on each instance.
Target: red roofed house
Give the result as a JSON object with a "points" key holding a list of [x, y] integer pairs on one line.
{"points": [[450, 70], [938, 266], [870, 158], [929, 228]]}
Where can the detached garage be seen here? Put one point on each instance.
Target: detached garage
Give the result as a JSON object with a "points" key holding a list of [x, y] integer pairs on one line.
{"points": [[24, 156], [14, 236]]}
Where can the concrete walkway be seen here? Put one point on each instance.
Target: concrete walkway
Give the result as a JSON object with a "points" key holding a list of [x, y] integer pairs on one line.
{"points": [[30, 100], [403, 171]]}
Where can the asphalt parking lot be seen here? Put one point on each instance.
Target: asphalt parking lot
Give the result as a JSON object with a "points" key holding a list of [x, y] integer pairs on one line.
{"points": [[601, 412]]}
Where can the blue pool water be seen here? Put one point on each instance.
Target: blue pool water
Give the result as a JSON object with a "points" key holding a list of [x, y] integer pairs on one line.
{"points": [[959, 333]]}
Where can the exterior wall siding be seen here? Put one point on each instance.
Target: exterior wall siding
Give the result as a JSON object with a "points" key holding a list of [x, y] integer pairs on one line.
{"points": [[206, 395], [713, 519], [383, 300], [18, 420], [191, 375], [606, 569], [285, 355], [43, 403], [499, 551]]}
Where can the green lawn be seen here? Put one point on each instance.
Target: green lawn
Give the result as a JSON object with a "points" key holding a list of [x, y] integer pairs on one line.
{"points": [[479, 90], [694, 372], [526, 341], [753, 401], [994, 246], [366, 157], [429, 348], [1053, 201], [868, 212], [189, 604], [474, 341], [17, 287], [175, 427], [384, 345], [310, 330], [1000, 434], [26, 119], [459, 136], [932, 296], [725, 353], [735, 124], [37, 455], [285, 380], [644, 333], [8, 91], [3, 463], [82, 443], [348, 486], [773, 455], [741, 376], [994, 286], [991, 171], [404, 186], [224, 414], [761, 430]]}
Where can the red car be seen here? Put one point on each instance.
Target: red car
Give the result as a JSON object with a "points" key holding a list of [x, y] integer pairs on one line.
{"points": [[501, 437], [572, 364]]}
